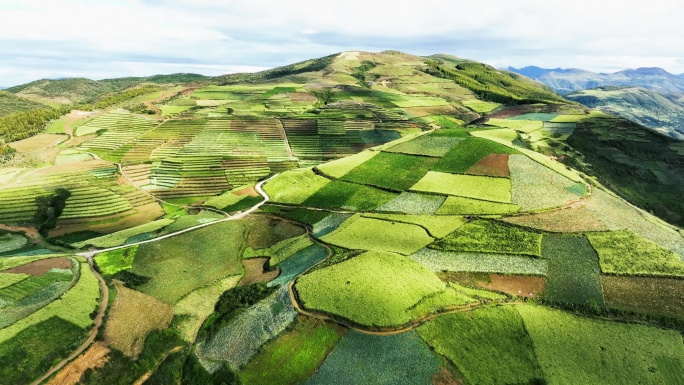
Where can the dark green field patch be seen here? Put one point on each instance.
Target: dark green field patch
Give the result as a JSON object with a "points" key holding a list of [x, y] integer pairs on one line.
{"points": [[345, 195], [299, 263], [467, 153], [401, 359], [488, 346], [390, 170], [265, 232], [661, 297], [426, 145], [573, 271], [34, 350], [491, 237]]}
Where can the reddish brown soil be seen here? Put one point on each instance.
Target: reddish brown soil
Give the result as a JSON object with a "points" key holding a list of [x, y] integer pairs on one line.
{"points": [[41, 267], [302, 97], [247, 191], [94, 357], [254, 272], [567, 220], [445, 377], [491, 165], [518, 285]]}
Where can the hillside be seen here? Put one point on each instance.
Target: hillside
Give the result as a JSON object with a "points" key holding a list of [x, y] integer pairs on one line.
{"points": [[648, 108], [568, 80], [10, 104], [360, 218]]}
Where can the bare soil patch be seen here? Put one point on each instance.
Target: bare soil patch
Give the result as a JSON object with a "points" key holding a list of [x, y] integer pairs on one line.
{"points": [[247, 191], [254, 272], [95, 357], [266, 231], [518, 285], [445, 377], [567, 220], [41, 267], [491, 165], [302, 97], [39, 142]]}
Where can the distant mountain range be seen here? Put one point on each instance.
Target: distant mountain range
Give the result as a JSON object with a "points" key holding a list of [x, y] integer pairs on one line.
{"points": [[565, 81]]}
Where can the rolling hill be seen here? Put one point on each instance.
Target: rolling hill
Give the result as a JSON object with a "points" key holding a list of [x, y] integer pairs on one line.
{"points": [[648, 108], [379, 218]]}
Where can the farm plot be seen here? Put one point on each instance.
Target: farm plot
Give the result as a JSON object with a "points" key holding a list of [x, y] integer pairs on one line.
{"points": [[544, 117], [427, 145], [467, 206], [373, 234], [175, 267], [224, 200], [491, 165], [111, 262], [349, 196], [437, 226], [468, 153], [281, 250], [132, 317], [413, 203], [264, 232], [242, 338], [374, 288], [534, 186], [514, 285], [660, 297], [338, 168], [292, 357], [469, 186], [480, 106], [299, 263], [294, 187], [11, 241], [568, 220], [74, 306], [119, 238], [31, 352], [574, 273], [328, 224], [392, 171], [573, 349], [378, 360], [197, 305], [524, 126], [488, 346], [491, 237], [437, 261], [625, 253]]}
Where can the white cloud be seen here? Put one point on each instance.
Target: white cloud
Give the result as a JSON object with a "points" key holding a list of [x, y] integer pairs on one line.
{"points": [[87, 38]]}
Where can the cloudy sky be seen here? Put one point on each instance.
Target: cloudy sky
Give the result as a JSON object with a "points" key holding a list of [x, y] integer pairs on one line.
{"points": [[100, 39]]}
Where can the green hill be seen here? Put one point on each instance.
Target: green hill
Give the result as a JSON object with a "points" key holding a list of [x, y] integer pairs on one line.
{"points": [[378, 218], [10, 104]]}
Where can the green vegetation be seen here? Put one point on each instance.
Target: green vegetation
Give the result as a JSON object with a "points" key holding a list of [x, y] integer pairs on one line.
{"points": [[294, 187], [350, 196], [534, 186], [22, 125], [468, 152], [338, 168], [572, 349], [120, 237], [427, 145], [10, 104], [659, 297], [292, 357], [281, 250], [112, 262], [488, 346], [392, 171], [437, 260], [373, 289], [491, 237], [373, 234], [413, 203], [480, 106], [402, 359], [469, 186], [33, 351], [437, 227], [625, 253], [574, 276], [174, 269], [468, 206], [299, 263]]}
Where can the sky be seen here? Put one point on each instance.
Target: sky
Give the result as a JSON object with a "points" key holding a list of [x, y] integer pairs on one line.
{"points": [[105, 39]]}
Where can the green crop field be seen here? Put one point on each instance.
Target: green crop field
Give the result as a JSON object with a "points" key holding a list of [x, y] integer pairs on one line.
{"points": [[427, 145], [534, 186], [295, 187], [574, 273], [374, 289], [175, 271], [572, 349], [338, 168], [380, 235], [469, 186], [414, 203], [349, 196], [437, 260], [468, 206], [111, 262], [437, 226], [662, 297], [392, 171], [481, 106], [467, 153], [488, 346], [491, 237], [402, 359], [624, 253], [120, 237], [281, 250]]}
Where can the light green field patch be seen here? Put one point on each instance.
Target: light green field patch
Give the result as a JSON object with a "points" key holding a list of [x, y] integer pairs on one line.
{"points": [[438, 226], [413, 203], [111, 262], [362, 233], [427, 145], [74, 306], [544, 117], [224, 200], [502, 135], [480, 106], [579, 118], [9, 279], [469, 186], [374, 288], [525, 126], [294, 186], [437, 260], [10, 241], [487, 236], [338, 168], [468, 206], [578, 350], [415, 101], [534, 186], [281, 250], [119, 238], [197, 305]]}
